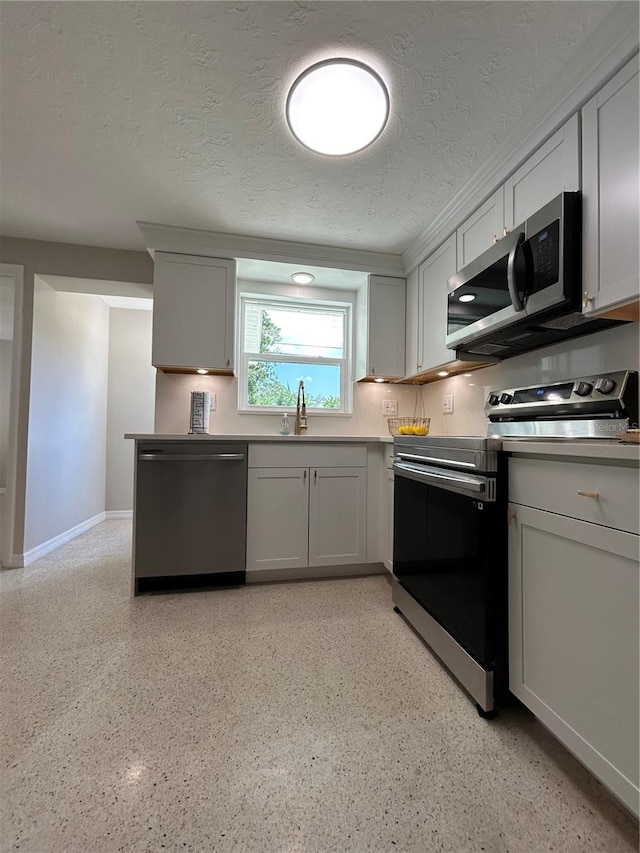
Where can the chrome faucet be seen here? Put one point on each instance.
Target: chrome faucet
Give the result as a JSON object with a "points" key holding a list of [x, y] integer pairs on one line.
{"points": [[301, 412]]}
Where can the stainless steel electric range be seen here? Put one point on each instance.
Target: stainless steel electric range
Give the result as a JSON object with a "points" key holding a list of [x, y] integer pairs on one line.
{"points": [[450, 520]]}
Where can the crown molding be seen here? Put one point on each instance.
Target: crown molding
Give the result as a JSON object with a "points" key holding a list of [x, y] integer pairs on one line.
{"points": [[615, 42], [167, 238]]}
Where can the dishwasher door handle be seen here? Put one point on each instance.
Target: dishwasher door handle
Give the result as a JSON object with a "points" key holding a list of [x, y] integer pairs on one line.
{"points": [[192, 457]]}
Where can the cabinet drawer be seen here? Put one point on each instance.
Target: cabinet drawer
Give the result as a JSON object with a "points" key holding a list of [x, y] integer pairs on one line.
{"points": [[601, 494], [299, 455]]}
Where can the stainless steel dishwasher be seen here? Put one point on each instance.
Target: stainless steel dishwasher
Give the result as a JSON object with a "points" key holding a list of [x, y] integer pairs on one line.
{"points": [[190, 515]]}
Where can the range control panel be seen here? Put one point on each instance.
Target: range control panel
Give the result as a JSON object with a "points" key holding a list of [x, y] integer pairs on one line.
{"points": [[606, 392]]}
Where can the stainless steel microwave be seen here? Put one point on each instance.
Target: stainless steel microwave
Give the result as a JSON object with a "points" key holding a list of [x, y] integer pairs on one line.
{"points": [[525, 291]]}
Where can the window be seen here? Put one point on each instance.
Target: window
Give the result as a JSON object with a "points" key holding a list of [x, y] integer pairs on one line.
{"points": [[284, 341]]}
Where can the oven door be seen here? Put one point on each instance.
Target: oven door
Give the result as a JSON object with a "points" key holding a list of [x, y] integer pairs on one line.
{"points": [[449, 552]]}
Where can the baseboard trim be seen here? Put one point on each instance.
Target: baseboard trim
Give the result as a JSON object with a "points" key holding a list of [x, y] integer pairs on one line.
{"points": [[34, 554], [118, 513], [315, 572]]}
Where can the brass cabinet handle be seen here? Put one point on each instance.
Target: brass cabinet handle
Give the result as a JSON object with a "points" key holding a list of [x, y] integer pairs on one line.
{"points": [[505, 231], [586, 494], [495, 238]]}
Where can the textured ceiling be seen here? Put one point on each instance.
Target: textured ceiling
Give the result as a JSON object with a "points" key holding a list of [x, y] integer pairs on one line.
{"points": [[173, 113]]}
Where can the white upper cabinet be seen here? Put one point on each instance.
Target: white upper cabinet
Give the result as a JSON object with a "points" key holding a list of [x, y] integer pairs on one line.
{"points": [[481, 229], [552, 169], [193, 312], [610, 152], [432, 306], [380, 328]]}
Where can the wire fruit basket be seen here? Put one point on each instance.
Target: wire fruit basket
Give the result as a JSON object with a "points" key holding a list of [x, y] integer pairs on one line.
{"points": [[409, 426]]}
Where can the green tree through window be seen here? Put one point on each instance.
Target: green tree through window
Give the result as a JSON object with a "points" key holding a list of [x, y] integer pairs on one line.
{"points": [[265, 387]]}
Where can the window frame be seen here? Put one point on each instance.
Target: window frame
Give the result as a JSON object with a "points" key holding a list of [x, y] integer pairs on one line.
{"points": [[318, 299]]}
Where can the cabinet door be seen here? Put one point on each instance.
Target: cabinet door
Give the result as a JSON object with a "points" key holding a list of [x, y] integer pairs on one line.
{"points": [[386, 326], [573, 638], [610, 177], [552, 169], [412, 358], [277, 518], [193, 308], [388, 552], [337, 516], [432, 306], [481, 229], [380, 328]]}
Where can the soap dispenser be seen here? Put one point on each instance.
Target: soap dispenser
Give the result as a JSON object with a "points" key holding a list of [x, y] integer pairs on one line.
{"points": [[285, 429]]}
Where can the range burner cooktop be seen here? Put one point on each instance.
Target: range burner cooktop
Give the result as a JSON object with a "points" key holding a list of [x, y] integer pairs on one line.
{"points": [[595, 406]]}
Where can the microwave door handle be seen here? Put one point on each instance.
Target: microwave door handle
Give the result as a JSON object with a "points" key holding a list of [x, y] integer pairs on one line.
{"points": [[516, 299]]}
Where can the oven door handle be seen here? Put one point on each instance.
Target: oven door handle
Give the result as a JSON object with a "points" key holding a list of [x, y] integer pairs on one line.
{"points": [[412, 457], [482, 487]]}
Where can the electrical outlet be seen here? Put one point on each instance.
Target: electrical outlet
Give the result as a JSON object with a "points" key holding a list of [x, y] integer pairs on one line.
{"points": [[212, 403], [447, 404], [389, 407]]}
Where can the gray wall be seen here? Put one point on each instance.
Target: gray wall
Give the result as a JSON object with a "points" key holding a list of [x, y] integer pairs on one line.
{"points": [[64, 259], [130, 398], [6, 347], [66, 459]]}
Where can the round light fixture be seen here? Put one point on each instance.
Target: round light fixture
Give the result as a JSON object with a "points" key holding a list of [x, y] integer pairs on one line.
{"points": [[303, 277], [202, 370], [378, 379], [337, 107], [443, 373], [467, 297]]}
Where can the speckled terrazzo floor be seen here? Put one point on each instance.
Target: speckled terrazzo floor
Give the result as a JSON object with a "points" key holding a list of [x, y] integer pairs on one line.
{"points": [[285, 717]]}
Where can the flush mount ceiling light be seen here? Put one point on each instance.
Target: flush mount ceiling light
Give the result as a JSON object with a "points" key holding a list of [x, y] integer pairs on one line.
{"points": [[303, 277], [443, 373], [202, 370], [337, 107], [467, 297]]}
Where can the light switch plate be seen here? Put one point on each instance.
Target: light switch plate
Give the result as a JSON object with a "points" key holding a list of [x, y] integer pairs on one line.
{"points": [[212, 403], [447, 404], [389, 407]]}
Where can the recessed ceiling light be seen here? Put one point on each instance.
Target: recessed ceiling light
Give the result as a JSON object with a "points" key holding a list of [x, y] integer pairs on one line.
{"points": [[467, 297], [337, 107], [202, 370], [467, 375], [443, 373], [303, 277]]}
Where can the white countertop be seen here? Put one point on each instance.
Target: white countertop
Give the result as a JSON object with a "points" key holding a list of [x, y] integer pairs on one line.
{"points": [[385, 439], [583, 448], [613, 450]]}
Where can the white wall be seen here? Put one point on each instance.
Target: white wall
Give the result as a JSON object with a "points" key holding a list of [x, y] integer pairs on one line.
{"points": [[67, 415], [173, 398], [612, 349], [130, 398]]}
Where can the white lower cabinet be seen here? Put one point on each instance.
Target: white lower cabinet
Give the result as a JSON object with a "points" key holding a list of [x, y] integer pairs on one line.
{"points": [[573, 622], [305, 516]]}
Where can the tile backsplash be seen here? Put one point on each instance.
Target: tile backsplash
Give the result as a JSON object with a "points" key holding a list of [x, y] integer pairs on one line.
{"points": [[612, 349]]}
